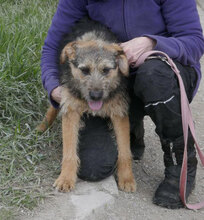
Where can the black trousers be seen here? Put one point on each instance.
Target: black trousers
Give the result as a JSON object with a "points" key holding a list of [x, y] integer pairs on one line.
{"points": [[154, 91]]}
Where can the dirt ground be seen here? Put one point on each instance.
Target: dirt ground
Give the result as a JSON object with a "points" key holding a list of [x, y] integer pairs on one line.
{"points": [[149, 173]]}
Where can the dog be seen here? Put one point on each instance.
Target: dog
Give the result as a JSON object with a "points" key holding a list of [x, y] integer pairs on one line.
{"points": [[93, 72]]}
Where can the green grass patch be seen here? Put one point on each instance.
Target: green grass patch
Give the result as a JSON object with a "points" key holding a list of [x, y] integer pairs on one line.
{"points": [[29, 162]]}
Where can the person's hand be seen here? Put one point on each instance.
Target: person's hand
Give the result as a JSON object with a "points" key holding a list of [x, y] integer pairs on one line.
{"points": [[136, 47], [56, 94]]}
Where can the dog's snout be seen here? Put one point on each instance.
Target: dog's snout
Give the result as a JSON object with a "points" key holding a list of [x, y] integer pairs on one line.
{"points": [[96, 95]]}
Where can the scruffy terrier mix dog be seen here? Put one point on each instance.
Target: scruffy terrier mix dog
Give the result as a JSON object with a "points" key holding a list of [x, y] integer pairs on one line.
{"points": [[93, 69]]}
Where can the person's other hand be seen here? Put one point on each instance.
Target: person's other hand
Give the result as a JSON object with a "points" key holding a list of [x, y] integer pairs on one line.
{"points": [[136, 47], [56, 94]]}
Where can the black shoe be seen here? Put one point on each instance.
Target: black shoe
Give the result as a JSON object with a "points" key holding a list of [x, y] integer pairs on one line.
{"points": [[137, 147], [168, 193]]}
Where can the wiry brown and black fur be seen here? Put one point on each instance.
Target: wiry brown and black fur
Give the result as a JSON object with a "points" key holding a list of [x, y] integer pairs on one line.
{"points": [[93, 71]]}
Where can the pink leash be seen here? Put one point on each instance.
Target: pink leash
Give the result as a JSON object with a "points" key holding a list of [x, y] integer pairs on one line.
{"points": [[187, 122]]}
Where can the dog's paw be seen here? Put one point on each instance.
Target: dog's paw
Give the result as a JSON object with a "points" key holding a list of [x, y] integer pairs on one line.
{"points": [[127, 185], [41, 128], [64, 184]]}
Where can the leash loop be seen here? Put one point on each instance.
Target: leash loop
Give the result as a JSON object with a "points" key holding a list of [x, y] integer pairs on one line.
{"points": [[187, 123]]}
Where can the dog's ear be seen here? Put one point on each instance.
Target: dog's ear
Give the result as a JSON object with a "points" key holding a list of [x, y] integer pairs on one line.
{"points": [[122, 59], [68, 51], [123, 64]]}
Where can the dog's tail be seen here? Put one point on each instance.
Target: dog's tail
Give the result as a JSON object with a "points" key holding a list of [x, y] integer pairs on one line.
{"points": [[50, 116]]}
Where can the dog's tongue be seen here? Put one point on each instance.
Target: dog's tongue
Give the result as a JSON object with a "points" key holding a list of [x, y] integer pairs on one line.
{"points": [[95, 105]]}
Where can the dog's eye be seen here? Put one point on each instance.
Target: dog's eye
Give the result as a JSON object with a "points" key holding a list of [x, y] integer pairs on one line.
{"points": [[106, 70], [85, 70]]}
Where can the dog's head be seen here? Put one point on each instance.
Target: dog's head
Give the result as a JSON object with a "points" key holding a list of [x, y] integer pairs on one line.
{"points": [[96, 68]]}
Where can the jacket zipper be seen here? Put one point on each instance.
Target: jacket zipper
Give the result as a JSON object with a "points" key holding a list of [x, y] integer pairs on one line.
{"points": [[125, 28]]}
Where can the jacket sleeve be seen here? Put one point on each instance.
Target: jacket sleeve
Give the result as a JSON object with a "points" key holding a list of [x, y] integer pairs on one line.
{"points": [[185, 42], [68, 12]]}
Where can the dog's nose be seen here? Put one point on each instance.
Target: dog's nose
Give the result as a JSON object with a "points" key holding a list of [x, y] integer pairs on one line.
{"points": [[96, 95]]}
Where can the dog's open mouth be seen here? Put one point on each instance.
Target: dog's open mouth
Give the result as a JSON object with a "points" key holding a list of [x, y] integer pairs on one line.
{"points": [[95, 105]]}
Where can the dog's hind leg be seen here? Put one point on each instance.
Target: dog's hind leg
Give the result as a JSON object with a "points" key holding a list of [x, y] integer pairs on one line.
{"points": [[70, 162], [126, 180], [50, 116]]}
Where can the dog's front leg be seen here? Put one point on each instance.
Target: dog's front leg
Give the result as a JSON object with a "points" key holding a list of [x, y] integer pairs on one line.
{"points": [[126, 180], [70, 127]]}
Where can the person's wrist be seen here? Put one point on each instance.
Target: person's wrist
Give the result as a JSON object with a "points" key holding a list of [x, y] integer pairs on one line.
{"points": [[151, 43], [56, 94]]}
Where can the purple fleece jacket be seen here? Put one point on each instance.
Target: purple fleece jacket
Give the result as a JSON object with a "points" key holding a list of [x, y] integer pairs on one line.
{"points": [[174, 24]]}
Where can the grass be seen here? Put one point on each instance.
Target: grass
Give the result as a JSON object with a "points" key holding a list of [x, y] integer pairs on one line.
{"points": [[29, 162]]}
